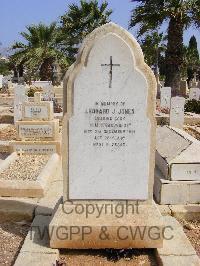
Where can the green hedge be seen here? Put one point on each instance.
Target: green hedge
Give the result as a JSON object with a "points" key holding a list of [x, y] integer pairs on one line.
{"points": [[192, 106]]}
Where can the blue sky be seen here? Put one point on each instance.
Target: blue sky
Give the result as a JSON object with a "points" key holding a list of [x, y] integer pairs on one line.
{"points": [[16, 14]]}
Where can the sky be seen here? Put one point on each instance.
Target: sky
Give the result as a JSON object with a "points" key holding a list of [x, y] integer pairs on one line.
{"points": [[16, 14]]}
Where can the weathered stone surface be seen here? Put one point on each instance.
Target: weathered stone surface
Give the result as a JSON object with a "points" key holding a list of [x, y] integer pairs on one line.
{"points": [[17, 209], [175, 192], [37, 239], [187, 212], [52, 198], [177, 249], [178, 154], [119, 229], [177, 112], [35, 258]]}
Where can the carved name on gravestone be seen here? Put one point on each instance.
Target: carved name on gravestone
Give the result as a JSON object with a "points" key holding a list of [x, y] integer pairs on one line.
{"points": [[38, 129], [37, 110], [177, 112], [36, 147], [194, 94], [19, 97], [111, 129], [165, 97]]}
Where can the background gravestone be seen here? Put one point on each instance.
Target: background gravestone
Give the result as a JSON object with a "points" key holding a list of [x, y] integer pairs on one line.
{"points": [[194, 94], [177, 112], [19, 97], [165, 98]]}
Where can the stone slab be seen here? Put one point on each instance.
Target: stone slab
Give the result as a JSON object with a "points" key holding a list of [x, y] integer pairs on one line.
{"points": [[177, 249], [178, 154], [119, 229], [17, 209], [36, 147], [37, 239], [175, 192], [186, 212], [35, 258], [169, 144], [43, 130]]}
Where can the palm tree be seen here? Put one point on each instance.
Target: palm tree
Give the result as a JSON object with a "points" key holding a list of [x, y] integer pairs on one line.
{"points": [[179, 15], [40, 50], [79, 21]]}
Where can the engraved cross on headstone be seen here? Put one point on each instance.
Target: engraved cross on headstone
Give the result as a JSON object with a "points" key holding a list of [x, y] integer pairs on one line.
{"points": [[111, 65]]}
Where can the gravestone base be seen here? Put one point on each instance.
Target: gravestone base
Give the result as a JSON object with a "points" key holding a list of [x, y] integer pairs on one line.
{"points": [[175, 192], [142, 229]]}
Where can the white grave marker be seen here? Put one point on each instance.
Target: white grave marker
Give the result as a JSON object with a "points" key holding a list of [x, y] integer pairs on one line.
{"points": [[109, 131], [19, 97], [194, 94], [165, 98], [177, 112]]}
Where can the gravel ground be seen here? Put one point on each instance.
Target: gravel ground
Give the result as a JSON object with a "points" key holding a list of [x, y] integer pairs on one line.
{"points": [[26, 167], [12, 236], [192, 132], [8, 133], [133, 257], [192, 230]]}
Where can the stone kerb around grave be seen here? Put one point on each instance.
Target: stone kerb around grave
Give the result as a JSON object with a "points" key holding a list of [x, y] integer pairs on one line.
{"points": [[29, 188]]}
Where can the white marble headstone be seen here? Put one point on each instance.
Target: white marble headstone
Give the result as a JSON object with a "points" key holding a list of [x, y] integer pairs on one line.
{"points": [[110, 133], [177, 112], [19, 97], [165, 97], [194, 94]]}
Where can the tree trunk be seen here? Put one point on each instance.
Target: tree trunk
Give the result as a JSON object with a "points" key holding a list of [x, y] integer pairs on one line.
{"points": [[46, 70], [174, 54]]}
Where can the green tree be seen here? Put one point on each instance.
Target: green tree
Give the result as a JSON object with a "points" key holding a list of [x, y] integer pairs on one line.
{"points": [[179, 15], [153, 46], [192, 56], [39, 51], [78, 22], [4, 67]]}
